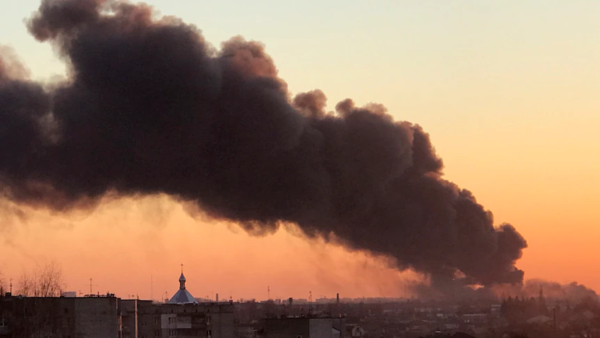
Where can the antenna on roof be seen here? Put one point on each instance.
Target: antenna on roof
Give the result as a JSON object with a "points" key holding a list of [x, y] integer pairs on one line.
{"points": [[181, 268]]}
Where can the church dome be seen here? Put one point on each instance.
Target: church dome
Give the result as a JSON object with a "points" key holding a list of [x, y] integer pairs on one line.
{"points": [[182, 296]]}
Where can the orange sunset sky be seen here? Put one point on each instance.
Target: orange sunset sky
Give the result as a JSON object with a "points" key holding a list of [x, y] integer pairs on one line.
{"points": [[508, 93]]}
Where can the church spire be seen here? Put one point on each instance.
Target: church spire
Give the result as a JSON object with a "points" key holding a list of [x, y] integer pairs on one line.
{"points": [[182, 279], [182, 296]]}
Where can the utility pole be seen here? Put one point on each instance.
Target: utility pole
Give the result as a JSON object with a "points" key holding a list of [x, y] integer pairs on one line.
{"points": [[555, 328], [135, 302]]}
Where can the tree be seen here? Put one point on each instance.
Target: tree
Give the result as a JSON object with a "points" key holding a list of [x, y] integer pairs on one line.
{"points": [[50, 280], [43, 281], [26, 285], [37, 312]]}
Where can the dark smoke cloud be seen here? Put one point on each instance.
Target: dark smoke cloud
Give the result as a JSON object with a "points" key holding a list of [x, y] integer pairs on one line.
{"points": [[150, 108]]}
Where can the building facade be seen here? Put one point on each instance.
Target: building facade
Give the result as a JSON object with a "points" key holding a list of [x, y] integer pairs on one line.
{"points": [[304, 327], [60, 317], [203, 320], [140, 319]]}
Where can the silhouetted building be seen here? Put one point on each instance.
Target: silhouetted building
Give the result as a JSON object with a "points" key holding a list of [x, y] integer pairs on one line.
{"points": [[210, 320], [59, 317], [140, 319], [304, 327]]}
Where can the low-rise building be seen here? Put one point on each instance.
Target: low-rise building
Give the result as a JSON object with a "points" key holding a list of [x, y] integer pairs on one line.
{"points": [[304, 327], [88, 317], [140, 319]]}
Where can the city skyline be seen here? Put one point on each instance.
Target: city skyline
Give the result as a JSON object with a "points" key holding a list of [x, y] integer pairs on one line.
{"points": [[499, 106]]}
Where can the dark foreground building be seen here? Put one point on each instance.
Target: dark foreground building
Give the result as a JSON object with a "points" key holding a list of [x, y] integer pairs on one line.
{"points": [[304, 327], [59, 317], [144, 319]]}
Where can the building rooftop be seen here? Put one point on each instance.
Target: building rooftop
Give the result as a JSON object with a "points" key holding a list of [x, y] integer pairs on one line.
{"points": [[182, 296]]}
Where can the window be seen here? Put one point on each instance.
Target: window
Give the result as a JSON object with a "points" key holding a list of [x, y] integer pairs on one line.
{"points": [[208, 320], [173, 333], [156, 320], [208, 333], [156, 333]]}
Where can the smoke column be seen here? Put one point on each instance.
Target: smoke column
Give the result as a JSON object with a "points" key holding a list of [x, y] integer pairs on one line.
{"points": [[150, 107]]}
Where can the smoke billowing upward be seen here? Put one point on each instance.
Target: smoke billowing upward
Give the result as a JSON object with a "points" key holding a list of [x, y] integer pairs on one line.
{"points": [[150, 107]]}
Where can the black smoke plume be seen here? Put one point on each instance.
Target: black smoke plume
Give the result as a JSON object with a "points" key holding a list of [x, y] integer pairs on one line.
{"points": [[150, 107]]}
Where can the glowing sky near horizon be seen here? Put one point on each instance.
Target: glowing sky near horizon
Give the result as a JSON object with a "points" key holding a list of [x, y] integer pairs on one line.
{"points": [[507, 90]]}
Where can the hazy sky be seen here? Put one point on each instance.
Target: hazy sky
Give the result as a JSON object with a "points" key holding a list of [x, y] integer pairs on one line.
{"points": [[509, 92]]}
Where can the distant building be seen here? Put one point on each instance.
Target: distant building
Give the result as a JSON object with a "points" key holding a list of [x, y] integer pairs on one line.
{"points": [[358, 331], [246, 331], [304, 327]]}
